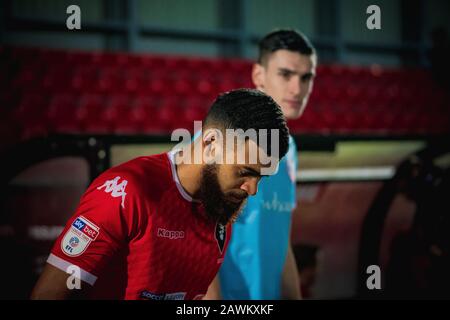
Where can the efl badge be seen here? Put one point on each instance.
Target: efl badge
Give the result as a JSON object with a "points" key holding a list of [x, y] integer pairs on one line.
{"points": [[80, 234], [221, 234]]}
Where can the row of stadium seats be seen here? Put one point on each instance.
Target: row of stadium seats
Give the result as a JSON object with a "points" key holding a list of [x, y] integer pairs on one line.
{"points": [[58, 91]]}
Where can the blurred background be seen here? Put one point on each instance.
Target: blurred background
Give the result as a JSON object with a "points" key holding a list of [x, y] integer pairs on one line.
{"points": [[373, 141]]}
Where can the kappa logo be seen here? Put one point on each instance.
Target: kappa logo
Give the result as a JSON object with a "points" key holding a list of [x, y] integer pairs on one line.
{"points": [[79, 236], [221, 235], [163, 233], [116, 189]]}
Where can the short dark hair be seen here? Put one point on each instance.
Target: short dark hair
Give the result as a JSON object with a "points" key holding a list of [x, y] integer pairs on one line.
{"points": [[249, 109], [287, 39]]}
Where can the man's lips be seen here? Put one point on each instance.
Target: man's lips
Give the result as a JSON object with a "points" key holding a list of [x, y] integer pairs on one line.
{"points": [[293, 103]]}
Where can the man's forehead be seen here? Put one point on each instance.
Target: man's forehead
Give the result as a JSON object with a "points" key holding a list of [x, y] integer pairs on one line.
{"points": [[292, 60]]}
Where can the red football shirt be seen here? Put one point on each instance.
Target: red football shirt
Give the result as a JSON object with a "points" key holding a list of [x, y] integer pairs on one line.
{"points": [[137, 234]]}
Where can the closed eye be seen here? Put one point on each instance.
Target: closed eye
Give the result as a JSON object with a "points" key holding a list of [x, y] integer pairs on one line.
{"points": [[249, 172], [246, 173]]}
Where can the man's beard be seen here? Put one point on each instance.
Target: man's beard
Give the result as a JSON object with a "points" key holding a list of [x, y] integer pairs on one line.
{"points": [[219, 206]]}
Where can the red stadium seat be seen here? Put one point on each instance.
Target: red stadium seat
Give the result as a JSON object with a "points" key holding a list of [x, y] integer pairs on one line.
{"points": [[50, 90]]}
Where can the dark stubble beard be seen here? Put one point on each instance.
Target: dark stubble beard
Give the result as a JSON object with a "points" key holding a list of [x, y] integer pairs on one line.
{"points": [[218, 206]]}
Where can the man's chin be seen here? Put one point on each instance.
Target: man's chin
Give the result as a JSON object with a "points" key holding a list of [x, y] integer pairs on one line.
{"points": [[293, 113], [238, 212]]}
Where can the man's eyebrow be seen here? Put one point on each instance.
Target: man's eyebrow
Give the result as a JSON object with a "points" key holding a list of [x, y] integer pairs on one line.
{"points": [[253, 172], [287, 70]]}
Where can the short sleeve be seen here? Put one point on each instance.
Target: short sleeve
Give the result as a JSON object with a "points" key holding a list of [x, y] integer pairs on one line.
{"points": [[103, 223]]}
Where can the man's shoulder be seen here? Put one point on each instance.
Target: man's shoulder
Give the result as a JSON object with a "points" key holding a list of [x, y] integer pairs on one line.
{"points": [[140, 173]]}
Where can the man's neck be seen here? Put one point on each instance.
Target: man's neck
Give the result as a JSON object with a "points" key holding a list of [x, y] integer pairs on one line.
{"points": [[189, 174]]}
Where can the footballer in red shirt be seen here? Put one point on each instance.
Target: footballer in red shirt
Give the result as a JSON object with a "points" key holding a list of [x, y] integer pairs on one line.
{"points": [[157, 227]]}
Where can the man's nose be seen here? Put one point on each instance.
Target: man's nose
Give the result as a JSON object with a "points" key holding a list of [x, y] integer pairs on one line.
{"points": [[295, 86], [250, 186]]}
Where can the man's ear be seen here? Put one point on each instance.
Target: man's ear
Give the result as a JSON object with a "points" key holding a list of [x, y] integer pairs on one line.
{"points": [[211, 139], [258, 76]]}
